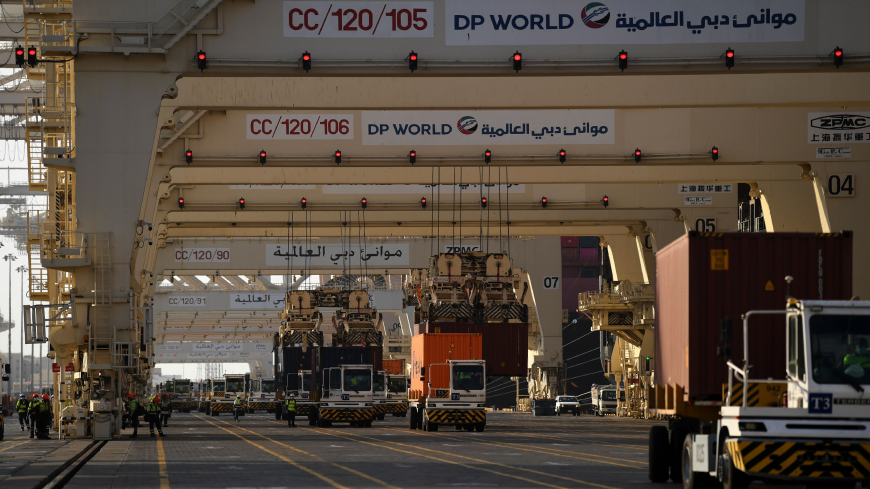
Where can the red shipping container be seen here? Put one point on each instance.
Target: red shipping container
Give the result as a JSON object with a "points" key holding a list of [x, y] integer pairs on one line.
{"points": [[703, 279], [505, 345], [433, 349]]}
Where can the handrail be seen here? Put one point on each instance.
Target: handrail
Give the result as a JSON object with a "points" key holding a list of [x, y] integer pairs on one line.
{"points": [[744, 371]]}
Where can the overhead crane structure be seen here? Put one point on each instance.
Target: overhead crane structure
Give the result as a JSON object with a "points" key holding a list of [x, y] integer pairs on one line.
{"points": [[130, 123]]}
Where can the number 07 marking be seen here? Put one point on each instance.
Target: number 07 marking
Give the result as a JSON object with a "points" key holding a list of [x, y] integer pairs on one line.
{"points": [[551, 282]]}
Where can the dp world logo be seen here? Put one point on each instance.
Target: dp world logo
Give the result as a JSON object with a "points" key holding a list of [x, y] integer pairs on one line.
{"points": [[467, 125], [595, 15]]}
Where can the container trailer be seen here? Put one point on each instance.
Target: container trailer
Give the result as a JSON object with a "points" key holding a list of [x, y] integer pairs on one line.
{"points": [[448, 382], [755, 390]]}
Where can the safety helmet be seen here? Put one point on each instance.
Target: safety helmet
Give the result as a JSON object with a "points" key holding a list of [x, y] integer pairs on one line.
{"points": [[156, 399], [238, 396], [131, 395], [36, 396], [21, 396], [45, 397]]}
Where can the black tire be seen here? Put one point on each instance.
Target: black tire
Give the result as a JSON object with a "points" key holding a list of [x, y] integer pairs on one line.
{"points": [[558, 412], [368, 424], [433, 426], [678, 436], [694, 480], [278, 415], [731, 477], [425, 423], [458, 428], [658, 454], [413, 421], [420, 419], [469, 427], [480, 426]]}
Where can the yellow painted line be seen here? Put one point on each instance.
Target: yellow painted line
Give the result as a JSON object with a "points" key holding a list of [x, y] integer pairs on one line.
{"points": [[326, 432], [161, 460], [546, 451], [282, 457], [467, 458], [352, 471], [578, 440], [16, 445]]}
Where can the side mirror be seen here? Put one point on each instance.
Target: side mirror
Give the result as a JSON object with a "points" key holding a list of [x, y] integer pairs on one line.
{"points": [[422, 371], [7, 369]]}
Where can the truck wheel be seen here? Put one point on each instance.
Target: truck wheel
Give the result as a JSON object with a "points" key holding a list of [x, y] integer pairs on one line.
{"points": [[678, 436], [558, 412], [433, 426], [691, 479], [480, 426], [731, 477], [413, 422], [368, 424], [469, 427], [278, 415], [425, 423], [658, 454]]}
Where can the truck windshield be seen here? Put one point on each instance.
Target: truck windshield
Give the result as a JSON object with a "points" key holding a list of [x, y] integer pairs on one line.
{"points": [[567, 399], [840, 349], [217, 386], [306, 382], [398, 385], [255, 386], [608, 395], [468, 377], [235, 385], [357, 379], [169, 387], [268, 386], [378, 385], [182, 387]]}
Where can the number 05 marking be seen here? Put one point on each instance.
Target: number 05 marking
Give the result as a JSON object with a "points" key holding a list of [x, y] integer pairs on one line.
{"points": [[551, 282]]}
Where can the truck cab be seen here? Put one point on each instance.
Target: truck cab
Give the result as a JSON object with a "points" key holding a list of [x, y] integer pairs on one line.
{"points": [[263, 396], [457, 399], [604, 400], [301, 386], [216, 403], [816, 428], [397, 394], [181, 395], [348, 396], [379, 394]]}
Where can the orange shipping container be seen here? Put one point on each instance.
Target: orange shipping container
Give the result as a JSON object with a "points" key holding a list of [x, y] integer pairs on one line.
{"points": [[429, 349], [394, 367]]}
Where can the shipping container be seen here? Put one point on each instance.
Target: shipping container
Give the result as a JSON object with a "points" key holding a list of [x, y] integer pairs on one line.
{"points": [[429, 349], [394, 367], [292, 360], [505, 345], [335, 356], [707, 281]]}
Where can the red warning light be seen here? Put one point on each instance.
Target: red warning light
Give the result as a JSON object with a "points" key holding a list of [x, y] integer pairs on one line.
{"points": [[306, 57], [31, 52], [518, 57], [338, 153], [838, 52], [729, 54], [201, 56], [20, 52], [623, 55], [413, 57]]}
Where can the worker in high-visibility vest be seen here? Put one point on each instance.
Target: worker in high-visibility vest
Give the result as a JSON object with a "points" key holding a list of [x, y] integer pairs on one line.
{"points": [[43, 414], [33, 413], [23, 418], [291, 411], [152, 415], [238, 406], [165, 409]]}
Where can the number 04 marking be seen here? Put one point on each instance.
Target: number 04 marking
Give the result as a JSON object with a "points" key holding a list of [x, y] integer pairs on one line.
{"points": [[551, 282], [841, 186]]}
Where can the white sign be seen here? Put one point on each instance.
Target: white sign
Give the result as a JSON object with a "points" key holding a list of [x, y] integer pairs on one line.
{"points": [[299, 126], [168, 347], [258, 302], [705, 188], [841, 185], [186, 301], [700, 200], [195, 255], [621, 22], [424, 190], [372, 255], [705, 224], [833, 152], [838, 127], [488, 127], [359, 19], [551, 282]]}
